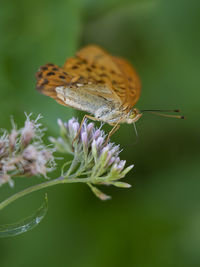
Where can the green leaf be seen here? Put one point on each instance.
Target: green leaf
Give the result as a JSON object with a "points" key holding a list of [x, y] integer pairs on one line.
{"points": [[98, 193], [26, 224], [120, 184]]}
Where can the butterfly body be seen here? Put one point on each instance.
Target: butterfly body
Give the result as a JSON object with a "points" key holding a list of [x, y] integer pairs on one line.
{"points": [[101, 108], [96, 82]]}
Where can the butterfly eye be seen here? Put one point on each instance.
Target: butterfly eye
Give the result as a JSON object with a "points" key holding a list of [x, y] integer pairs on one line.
{"points": [[132, 115]]}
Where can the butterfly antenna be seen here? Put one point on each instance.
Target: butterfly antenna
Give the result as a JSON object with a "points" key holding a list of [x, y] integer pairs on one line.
{"points": [[158, 113]]}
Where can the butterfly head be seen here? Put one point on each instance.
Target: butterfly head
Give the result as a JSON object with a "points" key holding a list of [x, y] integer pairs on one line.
{"points": [[133, 115]]}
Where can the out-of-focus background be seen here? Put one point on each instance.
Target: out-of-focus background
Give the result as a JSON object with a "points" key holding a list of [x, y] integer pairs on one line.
{"points": [[156, 222]]}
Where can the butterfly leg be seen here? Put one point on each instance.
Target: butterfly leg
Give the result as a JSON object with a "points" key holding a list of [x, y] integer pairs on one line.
{"points": [[79, 130], [112, 131]]}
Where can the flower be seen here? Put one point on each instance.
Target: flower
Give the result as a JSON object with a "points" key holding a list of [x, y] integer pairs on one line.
{"points": [[94, 158], [95, 161], [23, 153]]}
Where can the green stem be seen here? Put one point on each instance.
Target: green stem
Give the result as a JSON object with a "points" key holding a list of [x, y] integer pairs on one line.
{"points": [[73, 166], [37, 187]]}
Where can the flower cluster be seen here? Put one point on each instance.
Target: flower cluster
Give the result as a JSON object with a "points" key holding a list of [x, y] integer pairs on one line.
{"points": [[22, 152], [93, 156], [95, 161]]}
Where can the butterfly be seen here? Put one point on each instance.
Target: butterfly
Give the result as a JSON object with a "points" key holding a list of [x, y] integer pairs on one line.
{"points": [[94, 81]]}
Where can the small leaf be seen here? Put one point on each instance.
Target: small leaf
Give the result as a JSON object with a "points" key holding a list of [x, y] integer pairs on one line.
{"points": [[120, 184], [98, 193], [27, 224]]}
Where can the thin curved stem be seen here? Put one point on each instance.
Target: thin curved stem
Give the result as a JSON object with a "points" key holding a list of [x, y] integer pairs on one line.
{"points": [[37, 187]]}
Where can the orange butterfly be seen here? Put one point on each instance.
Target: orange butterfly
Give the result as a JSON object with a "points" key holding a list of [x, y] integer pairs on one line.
{"points": [[94, 81]]}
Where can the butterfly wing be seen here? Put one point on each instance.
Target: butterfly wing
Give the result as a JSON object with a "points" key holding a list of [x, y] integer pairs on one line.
{"points": [[92, 72], [132, 85], [89, 68], [71, 88], [93, 54], [95, 64], [49, 77]]}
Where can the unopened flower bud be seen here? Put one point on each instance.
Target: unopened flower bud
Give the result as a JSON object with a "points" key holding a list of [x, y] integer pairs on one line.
{"points": [[121, 165], [28, 133], [84, 139], [30, 153], [97, 133], [13, 138]]}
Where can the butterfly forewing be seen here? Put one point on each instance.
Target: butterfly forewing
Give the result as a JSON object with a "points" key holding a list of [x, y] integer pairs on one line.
{"points": [[93, 77], [116, 72], [71, 88], [93, 72], [49, 77], [94, 55]]}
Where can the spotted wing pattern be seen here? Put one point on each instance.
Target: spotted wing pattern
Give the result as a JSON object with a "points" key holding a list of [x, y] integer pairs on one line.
{"points": [[49, 77], [95, 64], [97, 73], [132, 84]]}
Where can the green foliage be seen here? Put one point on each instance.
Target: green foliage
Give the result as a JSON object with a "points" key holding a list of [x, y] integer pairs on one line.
{"points": [[156, 223]]}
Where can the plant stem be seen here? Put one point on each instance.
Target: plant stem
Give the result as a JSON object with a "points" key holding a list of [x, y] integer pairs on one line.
{"points": [[37, 187], [73, 166]]}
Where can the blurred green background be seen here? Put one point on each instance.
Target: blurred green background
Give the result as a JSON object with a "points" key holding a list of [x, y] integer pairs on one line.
{"points": [[156, 222]]}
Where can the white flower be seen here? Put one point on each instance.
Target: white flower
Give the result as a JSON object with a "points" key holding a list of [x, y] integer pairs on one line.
{"points": [[22, 152]]}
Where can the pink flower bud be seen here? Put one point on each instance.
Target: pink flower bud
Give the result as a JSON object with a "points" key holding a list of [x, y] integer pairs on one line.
{"points": [[28, 132], [30, 153], [13, 138], [84, 139], [96, 134]]}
